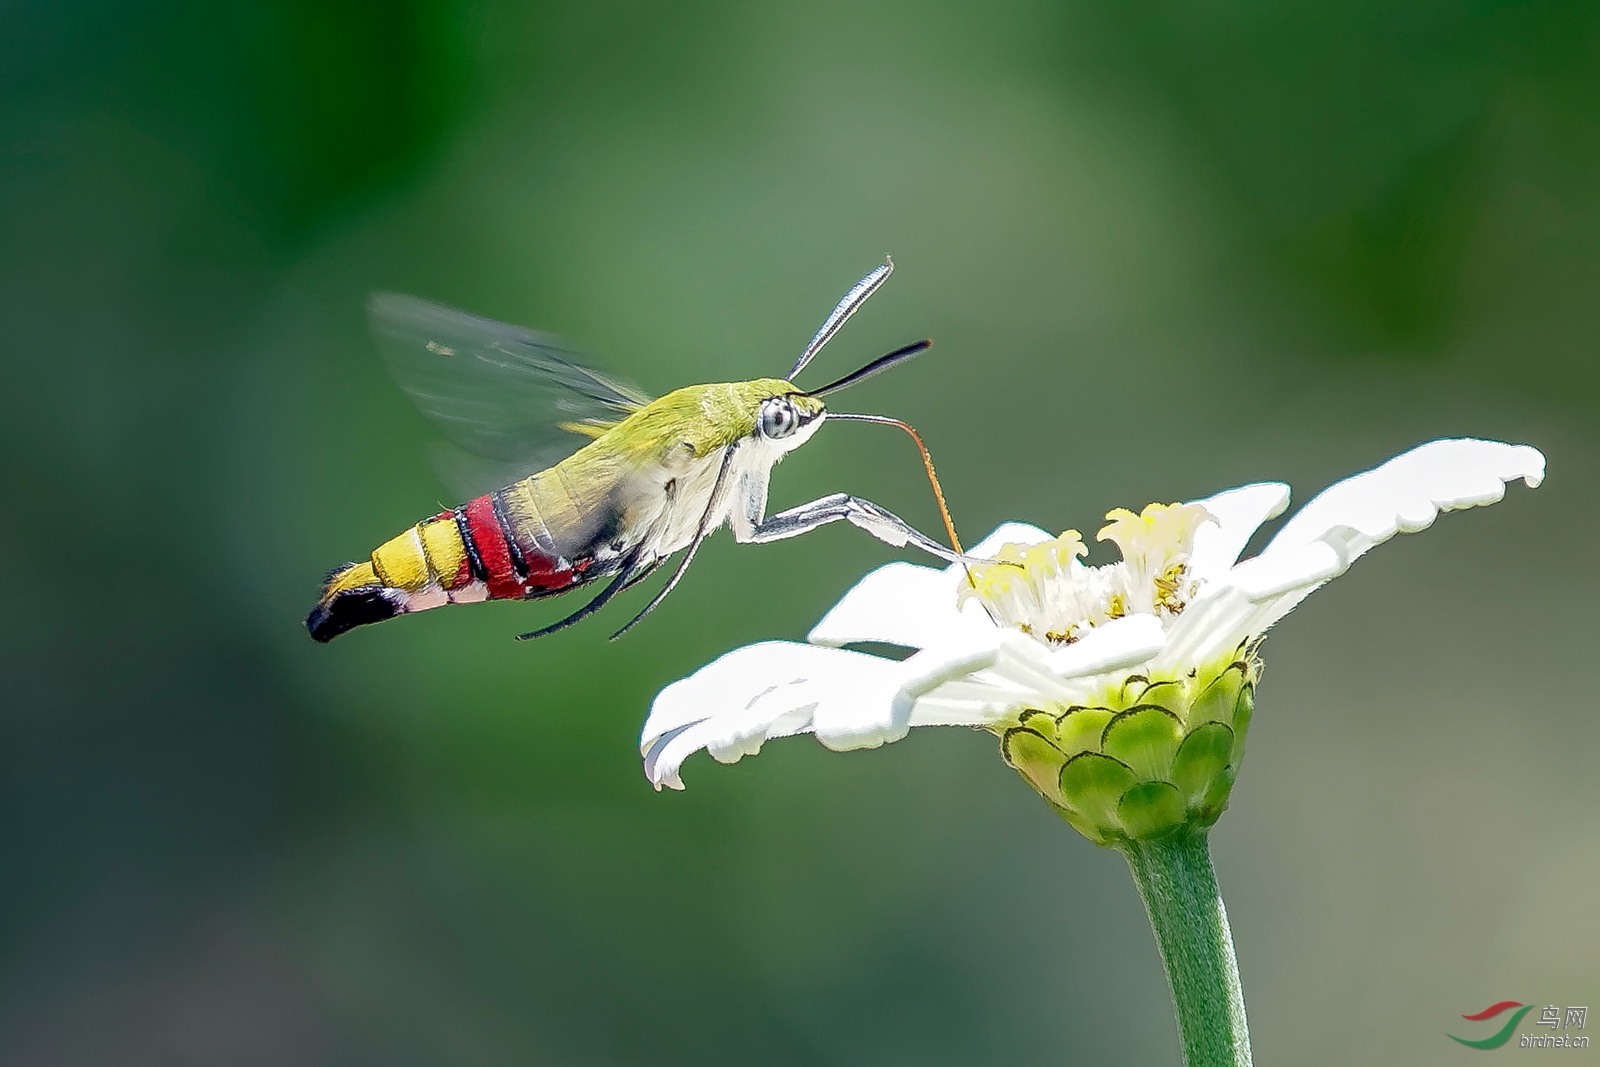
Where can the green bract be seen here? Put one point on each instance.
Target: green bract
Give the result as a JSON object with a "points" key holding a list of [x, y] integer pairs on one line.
{"points": [[1151, 756]]}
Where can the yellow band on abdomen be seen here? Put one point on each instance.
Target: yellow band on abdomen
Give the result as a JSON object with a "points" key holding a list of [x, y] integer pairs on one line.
{"points": [[355, 576], [402, 562], [446, 555]]}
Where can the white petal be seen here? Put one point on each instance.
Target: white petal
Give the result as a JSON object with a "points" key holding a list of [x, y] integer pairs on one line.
{"points": [[1321, 542], [1118, 645], [968, 702], [915, 607], [1407, 493], [1403, 495], [737, 676], [849, 700], [1289, 569], [900, 604], [1025, 672], [879, 710], [737, 701], [1238, 514], [1212, 622], [1023, 666], [1246, 603], [1020, 675]]}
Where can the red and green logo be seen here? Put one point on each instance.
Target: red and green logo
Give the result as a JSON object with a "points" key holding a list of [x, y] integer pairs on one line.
{"points": [[1501, 1036]]}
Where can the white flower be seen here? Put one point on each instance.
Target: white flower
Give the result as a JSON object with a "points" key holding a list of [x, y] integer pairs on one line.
{"points": [[1034, 636]]}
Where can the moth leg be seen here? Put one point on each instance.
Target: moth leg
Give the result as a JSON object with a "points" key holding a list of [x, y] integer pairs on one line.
{"points": [[630, 571], [643, 572], [877, 521]]}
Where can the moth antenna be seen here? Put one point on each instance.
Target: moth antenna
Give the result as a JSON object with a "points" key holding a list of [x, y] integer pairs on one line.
{"points": [[849, 305], [875, 368]]}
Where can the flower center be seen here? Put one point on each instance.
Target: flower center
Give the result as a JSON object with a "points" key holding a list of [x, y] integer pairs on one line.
{"points": [[1044, 590]]}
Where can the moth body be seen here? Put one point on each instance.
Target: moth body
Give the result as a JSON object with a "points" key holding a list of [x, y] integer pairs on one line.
{"points": [[655, 479]]}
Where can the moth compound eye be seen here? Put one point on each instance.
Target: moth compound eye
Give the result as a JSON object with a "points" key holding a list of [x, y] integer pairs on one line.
{"points": [[778, 418]]}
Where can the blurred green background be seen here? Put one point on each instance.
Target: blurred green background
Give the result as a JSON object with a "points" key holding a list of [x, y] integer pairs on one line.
{"points": [[1164, 248]]}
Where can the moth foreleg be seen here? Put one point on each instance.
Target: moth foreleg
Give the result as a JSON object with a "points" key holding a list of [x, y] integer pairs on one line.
{"points": [[881, 523]]}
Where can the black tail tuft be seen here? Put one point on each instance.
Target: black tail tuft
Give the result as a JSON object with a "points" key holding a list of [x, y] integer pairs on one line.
{"points": [[347, 610]]}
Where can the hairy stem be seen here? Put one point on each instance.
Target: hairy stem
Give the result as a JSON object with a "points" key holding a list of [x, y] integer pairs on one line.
{"points": [[1179, 888]]}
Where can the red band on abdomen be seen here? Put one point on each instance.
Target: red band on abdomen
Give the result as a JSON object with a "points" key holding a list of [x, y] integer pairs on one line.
{"points": [[549, 579], [543, 573], [491, 544]]}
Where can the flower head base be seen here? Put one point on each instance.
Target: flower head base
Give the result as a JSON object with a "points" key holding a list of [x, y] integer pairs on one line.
{"points": [[1121, 693], [1148, 756]]}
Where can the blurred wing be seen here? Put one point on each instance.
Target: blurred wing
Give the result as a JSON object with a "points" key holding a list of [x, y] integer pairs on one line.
{"points": [[468, 475], [500, 393]]}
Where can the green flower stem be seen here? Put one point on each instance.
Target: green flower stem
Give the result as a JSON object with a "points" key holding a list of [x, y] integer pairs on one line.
{"points": [[1180, 895]]}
